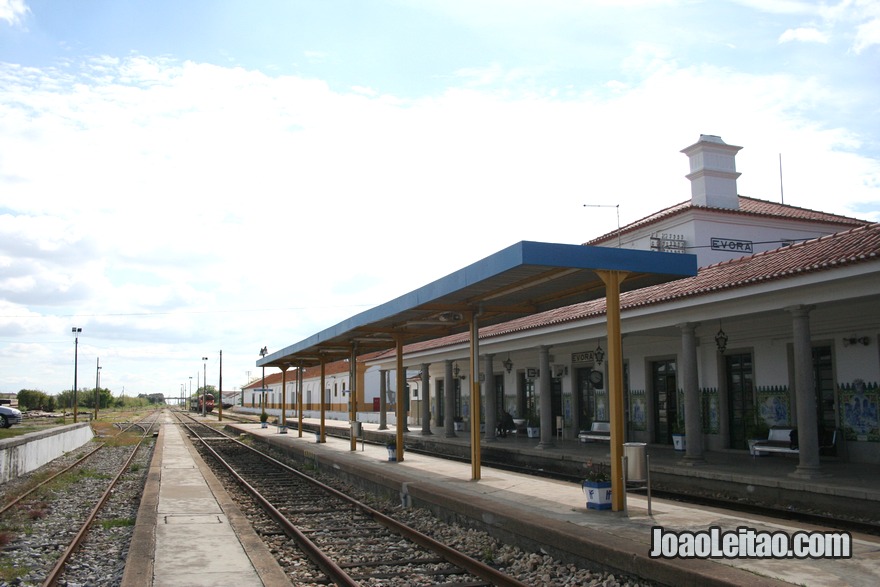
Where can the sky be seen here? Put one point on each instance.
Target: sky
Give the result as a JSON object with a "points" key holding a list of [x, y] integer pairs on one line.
{"points": [[185, 179]]}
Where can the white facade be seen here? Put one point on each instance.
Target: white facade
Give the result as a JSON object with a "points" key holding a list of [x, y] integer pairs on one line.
{"points": [[756, 372]]}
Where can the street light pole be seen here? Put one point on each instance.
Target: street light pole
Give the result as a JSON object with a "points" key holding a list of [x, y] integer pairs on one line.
{"points": [[263, 353], [76, 332], [189, 399], [97, 384], [205, 384]]}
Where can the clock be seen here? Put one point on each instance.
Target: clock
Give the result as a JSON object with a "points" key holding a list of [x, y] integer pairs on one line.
{"points": [[596, 378]]}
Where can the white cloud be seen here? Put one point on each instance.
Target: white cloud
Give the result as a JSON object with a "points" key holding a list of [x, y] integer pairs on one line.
{"points": [[804, 34], [867, 35], [179, 202], [13, 12]]}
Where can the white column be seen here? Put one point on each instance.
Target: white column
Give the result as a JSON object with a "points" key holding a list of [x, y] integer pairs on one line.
{"points": [[426, 400], [693, 421], [805, 395], [544, 399], [489, 396]]}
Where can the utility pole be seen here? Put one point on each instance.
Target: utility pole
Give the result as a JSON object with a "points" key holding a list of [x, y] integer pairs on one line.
{"points": [[204, 385], [76, 332], [220, 389], [97, 384]]}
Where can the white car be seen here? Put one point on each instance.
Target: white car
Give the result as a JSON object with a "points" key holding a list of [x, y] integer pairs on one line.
{"points": [[9, 416]]}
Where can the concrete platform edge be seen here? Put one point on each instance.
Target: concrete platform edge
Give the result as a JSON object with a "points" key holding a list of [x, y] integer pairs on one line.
{"points": [[264, 562], [139, 565], [139, 562]]}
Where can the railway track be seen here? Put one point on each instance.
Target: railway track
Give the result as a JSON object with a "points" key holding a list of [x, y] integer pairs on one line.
{"points": [[349, 542], [42, 542], [831, 520]]}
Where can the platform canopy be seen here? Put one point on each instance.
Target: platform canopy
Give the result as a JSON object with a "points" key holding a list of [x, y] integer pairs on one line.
{"points": [[525, 278]]}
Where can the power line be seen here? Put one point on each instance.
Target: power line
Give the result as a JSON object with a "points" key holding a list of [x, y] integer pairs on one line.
{"points": [[118, 314]]}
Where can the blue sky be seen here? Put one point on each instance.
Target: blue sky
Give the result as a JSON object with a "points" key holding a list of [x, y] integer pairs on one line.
{"points": [[180, 178]]}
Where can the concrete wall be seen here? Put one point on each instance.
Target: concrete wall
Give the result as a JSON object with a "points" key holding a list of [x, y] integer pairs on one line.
{"points": [[25, 453]]}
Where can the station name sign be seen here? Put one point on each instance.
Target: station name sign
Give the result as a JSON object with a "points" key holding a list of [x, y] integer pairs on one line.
{"points": [[584, 357], [731, 245]]}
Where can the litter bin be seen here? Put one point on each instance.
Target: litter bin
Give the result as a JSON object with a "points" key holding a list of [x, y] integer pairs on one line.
{"points": [[636, 461], [356, 429]]}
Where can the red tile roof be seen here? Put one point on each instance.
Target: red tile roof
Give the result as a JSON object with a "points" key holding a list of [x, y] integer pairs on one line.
{"points": [[341, 366], [747, 207], [859, 245]]}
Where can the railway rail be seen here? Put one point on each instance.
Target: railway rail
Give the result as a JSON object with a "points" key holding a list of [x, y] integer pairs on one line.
{"points": [[35, 531], [826, 519], [347, 540]]}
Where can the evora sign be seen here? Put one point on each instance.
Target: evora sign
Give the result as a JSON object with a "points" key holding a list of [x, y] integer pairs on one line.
{"points": [[732, 245]]}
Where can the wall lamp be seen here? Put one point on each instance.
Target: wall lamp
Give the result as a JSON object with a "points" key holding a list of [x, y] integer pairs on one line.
{"points": [[456, 371], [508, 364], [864, 340], [721, 340], [599, 353]]}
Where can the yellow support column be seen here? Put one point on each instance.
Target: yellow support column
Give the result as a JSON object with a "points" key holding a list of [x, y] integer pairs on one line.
{"points": [[322, 430], [283, 420], [612, 280], [399, 408], [475, 397], [299, 399], [352, 394]]}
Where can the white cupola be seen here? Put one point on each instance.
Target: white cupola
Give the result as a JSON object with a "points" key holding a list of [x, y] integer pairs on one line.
{"points": [[713, 173]]}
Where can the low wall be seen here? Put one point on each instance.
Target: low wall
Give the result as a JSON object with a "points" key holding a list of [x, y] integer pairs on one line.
{"points": [[30, 451]]}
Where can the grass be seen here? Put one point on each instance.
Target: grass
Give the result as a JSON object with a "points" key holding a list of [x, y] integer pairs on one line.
{"points": [[117, 523], [21, 429], [103, 425], [10, 573]]}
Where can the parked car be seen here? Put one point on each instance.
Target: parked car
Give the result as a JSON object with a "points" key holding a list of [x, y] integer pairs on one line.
{"points": [[9, 416]]}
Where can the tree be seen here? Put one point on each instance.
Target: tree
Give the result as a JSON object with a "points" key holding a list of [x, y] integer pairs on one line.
{"points": [[105, 399], [32, 399], [153, 398]]}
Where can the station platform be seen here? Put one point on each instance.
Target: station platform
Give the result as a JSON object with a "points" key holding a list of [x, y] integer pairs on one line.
{"points": [[527, 509], [188, 531]]}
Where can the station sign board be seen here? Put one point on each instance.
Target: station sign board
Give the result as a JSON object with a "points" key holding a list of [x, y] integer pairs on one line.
{"points": [[731, 245]]}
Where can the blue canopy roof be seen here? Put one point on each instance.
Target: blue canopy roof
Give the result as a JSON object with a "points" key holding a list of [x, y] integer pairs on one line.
{"points": [[525, 278]]}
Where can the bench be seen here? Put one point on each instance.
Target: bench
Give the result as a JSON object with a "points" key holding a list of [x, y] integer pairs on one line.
{"points": [[597, 431], [778, 440]]}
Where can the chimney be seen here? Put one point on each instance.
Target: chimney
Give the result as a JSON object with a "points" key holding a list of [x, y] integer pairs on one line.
{"points": [[713, 173]]}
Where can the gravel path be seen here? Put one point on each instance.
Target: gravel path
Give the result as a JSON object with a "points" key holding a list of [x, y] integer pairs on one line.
{"points": [[36, 531]]}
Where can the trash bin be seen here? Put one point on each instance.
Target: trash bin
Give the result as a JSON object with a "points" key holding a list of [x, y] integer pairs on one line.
{"points": [[356, 429], [636, 461]]}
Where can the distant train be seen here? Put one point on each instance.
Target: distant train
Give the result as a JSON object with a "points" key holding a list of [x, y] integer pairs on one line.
{"points": [[195, 403]]}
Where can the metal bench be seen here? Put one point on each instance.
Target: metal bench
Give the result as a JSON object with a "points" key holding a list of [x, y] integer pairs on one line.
{"points": [[597, 431], [778, 440]]}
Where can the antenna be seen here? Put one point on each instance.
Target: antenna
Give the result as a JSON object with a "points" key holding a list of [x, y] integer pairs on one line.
{"points": [[618, 216], [781, 193]]}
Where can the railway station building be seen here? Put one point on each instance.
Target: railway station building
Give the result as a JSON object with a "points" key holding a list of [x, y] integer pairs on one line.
{"points": [[779, 328]]}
